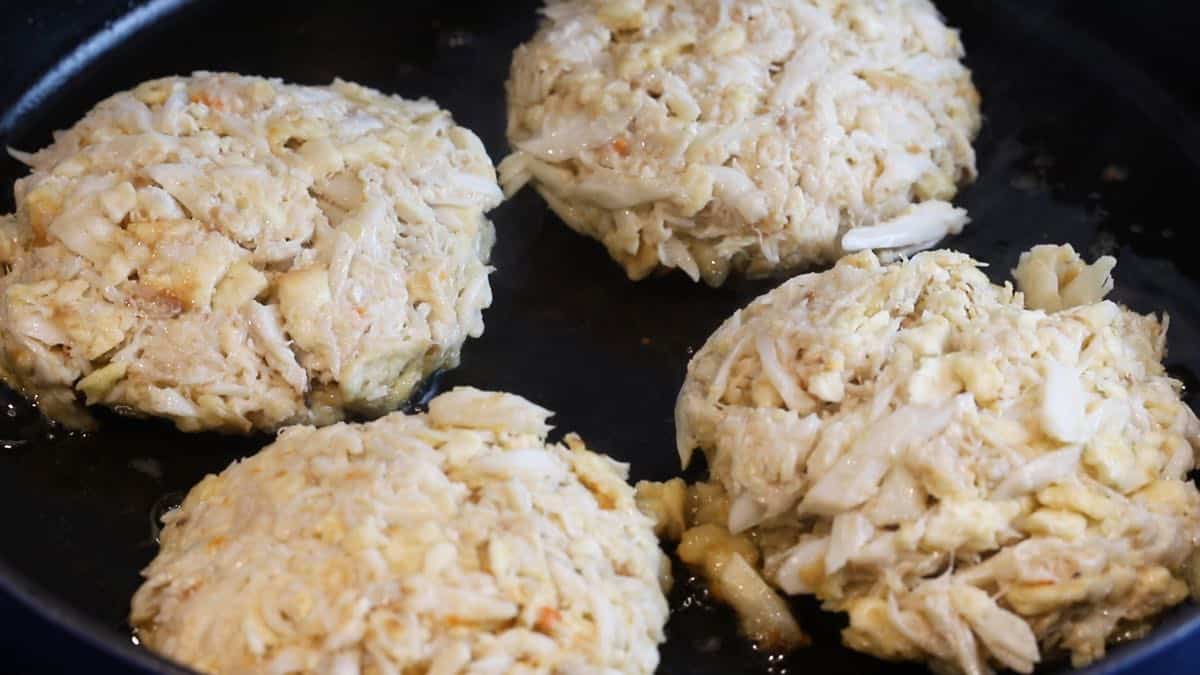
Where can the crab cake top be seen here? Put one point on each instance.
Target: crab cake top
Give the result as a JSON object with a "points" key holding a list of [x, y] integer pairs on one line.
{"points": [[752, 137], [238, 253], [976, 475], [453, 541]]}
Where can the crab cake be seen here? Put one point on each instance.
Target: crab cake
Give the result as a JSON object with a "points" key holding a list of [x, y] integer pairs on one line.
{"points": [[751, 137], [238, 253], [453, 541], [979, 477]]}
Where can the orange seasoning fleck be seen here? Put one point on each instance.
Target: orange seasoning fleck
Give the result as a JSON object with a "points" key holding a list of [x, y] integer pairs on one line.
{"points": [[621, 146], [547, 619], [214, 103]]}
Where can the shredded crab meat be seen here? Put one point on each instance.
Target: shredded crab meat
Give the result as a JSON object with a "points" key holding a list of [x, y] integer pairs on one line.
{"points": [[457, 541], [238, 253], [979, 477], [743, 137]]}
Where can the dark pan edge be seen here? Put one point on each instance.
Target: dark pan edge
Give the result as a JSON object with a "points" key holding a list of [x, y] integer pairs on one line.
{"points": [[13, 584], [1166, 643], [75, 60], [79, 626]]}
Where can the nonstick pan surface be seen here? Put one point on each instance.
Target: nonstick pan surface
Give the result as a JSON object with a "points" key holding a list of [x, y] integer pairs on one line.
{"points": [[1088, 139]]}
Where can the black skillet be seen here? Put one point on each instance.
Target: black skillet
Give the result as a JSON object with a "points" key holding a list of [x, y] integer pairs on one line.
{"points": [[1091, 138]]}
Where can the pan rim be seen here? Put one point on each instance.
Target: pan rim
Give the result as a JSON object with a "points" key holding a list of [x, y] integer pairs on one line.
{"points": [[1166, 638], [71, 63], [63, 615]]}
